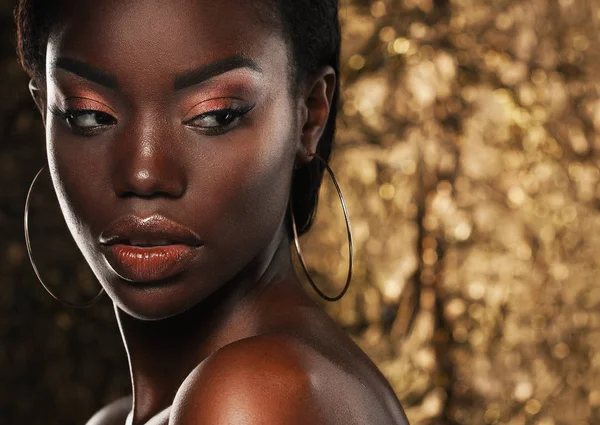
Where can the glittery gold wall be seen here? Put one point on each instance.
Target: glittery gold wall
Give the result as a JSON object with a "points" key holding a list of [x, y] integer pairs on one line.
{"points": [[467, 154]]}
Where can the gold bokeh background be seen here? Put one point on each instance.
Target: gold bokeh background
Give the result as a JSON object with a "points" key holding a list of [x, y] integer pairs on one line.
{"points": [[467, 153]]}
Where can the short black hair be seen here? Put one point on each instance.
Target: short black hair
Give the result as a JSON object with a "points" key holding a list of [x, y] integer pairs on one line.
{"points": [[312, 30]]}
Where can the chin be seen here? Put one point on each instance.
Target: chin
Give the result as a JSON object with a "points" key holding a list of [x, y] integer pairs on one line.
{"points": [[152, 297], [157, 300]]}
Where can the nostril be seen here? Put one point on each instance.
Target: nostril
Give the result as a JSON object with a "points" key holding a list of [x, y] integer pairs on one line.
{"points": [[153, 195]]}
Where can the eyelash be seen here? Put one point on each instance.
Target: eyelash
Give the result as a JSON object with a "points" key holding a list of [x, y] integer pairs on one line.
{"points": [[68, 115], [234, 113]]}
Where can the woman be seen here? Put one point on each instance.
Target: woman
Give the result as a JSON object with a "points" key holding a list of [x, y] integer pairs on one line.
{"points": [[177, 132]]}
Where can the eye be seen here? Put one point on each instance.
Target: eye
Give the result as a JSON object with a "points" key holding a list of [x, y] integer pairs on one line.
{"points": [[218, 121], [85, 122], [88, 119], [215, 119]]}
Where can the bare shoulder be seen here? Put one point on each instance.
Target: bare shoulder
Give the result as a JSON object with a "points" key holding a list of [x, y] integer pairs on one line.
{"points": [[272, 379], [256, 380], [114, 413]]}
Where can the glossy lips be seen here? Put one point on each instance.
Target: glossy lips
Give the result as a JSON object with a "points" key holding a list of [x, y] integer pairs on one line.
{"points": [[148, 249]]}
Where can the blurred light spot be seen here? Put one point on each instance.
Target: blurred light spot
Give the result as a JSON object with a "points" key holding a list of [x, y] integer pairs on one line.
{"points": [[476, 290], [569, 213], [356, 62], [538, 322], [417, 29], [504, 21], [392, 289], [430, 257], [454, 308], [460, 334], [367, 172], [441, 203], [428, 298], [408, 167], [503, 96], [387, 191], [411, 211], [561, 351], [433, 403], [476, 311], [387, 34], [491, 415], [431, 222], [378, 9], [538, 77], [16, 253], [63, 321], [559, 271], [580, 43], [594, 398], [523, 391], [476, 337], [575, 171], [523, 251], [516, 196], [462, 231], [425, 358], [401, 45], [350, 109], [533, 406]]}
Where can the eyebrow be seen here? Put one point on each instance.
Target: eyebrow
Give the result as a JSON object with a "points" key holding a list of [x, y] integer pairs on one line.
{"points": [[87, 71], [213, 69], [182, 81]]}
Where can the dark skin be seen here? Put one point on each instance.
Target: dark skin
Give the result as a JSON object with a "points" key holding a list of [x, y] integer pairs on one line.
{"points": [[233, 339]]}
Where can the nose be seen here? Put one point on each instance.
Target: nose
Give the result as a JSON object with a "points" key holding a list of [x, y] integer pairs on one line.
{"points": [[148, 165]]}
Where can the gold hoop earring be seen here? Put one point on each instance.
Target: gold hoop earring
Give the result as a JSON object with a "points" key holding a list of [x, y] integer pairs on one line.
{"points": [[350, 245], [35, 269]]}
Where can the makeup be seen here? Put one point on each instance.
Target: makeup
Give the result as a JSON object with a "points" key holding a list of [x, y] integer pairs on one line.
{"points": [[150, 263], [148, 249]]}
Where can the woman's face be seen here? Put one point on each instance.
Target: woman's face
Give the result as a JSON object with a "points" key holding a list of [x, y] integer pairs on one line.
{"points": [[176, 110]]}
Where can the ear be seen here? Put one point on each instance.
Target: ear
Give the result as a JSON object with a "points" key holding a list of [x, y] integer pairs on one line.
{"points": [[39, 97], [315, 109]]}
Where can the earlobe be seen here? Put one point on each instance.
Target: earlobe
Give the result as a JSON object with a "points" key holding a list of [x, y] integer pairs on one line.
{"points": [[39, 97], [317, 107]]}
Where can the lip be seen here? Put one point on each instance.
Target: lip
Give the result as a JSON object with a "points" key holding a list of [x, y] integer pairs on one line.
{"points": [[168, 247]]}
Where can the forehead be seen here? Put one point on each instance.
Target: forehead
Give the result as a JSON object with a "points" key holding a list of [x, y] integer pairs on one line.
{"points": [[149, 38]]}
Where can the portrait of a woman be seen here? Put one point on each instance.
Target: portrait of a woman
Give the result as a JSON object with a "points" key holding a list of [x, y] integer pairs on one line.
{"points": [[186, 141]]}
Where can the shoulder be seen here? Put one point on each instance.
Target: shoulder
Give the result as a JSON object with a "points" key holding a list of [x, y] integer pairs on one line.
{"points": [[259, 380], [113, 413]]}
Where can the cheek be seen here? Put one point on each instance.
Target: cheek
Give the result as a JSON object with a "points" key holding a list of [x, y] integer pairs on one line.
{"points": [[63, 169], [77, 178], [251, 184]]}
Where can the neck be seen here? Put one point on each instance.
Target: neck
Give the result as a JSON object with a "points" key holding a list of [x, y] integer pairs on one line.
{"points": [[163, 353]]}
